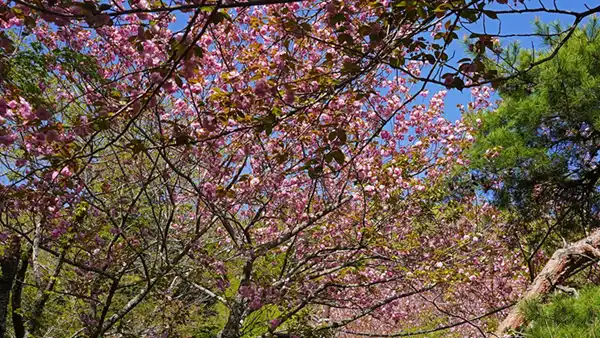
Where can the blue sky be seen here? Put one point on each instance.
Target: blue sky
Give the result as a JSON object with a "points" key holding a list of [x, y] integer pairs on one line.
{"points": [[509, 24], [514, 24]]}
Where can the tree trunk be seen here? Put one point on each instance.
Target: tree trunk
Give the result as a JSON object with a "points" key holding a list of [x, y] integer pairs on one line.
{"points": [[17, 317], [563, 264], [238, 308], [9, 263], [234, 323]]}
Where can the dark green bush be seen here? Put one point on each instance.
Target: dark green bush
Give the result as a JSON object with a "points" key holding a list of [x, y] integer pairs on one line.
{"points": [[565, 316]]}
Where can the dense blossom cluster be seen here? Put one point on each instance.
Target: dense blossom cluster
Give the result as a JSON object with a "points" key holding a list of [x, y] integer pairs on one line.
{"points": [[243, 156]]}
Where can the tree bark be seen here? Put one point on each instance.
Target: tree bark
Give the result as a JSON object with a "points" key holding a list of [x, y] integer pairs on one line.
{"points": [[17, 316], [562, 265], [234, 322], [238, 308], [9, 263]]}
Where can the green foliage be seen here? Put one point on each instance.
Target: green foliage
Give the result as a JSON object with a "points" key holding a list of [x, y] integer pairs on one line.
{"points": [[29, 70], [542, 142], [565, 316], [26, 70]]}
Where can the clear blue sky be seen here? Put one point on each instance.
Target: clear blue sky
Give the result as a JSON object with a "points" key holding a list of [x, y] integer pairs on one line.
{"points": [[515, 24]]}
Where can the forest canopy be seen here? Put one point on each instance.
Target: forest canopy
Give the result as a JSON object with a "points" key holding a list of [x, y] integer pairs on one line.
{"points": [[287, 168]]}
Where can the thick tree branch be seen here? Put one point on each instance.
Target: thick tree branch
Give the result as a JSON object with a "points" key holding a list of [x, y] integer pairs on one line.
{"points": [[563, 264]]}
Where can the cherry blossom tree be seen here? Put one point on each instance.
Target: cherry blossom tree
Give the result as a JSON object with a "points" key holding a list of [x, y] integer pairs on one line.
{"points": [[242, 168]]}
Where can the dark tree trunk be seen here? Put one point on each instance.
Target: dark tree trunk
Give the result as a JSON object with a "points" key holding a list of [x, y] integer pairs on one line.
{"points": [[17, 317], [238, 310], [234, 323], [9, 263]]}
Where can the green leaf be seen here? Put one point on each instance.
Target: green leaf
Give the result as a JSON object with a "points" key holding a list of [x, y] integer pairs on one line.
{"points": [[350, 68], [221, 16], [6, 44], [429, 58], [339, 17], [268, 122], [364, 30], [341, 135], [458, 83], [178, 81], [345, 38], [338, 155], [136, 146], [491, 15], [397, 62], [198, 51], [306, 27]]}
